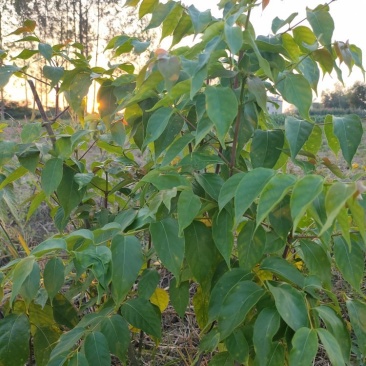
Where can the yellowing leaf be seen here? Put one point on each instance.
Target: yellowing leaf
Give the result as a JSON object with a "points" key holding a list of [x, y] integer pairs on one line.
{"points": [[160, 298], [23, 244]]}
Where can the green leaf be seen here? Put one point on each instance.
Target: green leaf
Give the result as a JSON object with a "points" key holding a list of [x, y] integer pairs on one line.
{"points": [[171, 21], [309, 68], [30, 286], [118, 133], [272, 194], [222, 231], [317, 261], [29, 159], [160, 12], [350, 261], [157, 124], [53, 73], [6, 71], [227, 191], [266, 148], [126, 263], [183, 28], [329, 133], [21, 271], [332, 347], [147, 7], [115, 329], [65, 345], [291, 305], [222, 108], [283, 269], [200, 251], [251, 244], [257, 87], [13, 176], [278, 23], [211, 183], [336, 197], [148, 282], [322, 24], [295, 89], [68, 191], [244, 295], [200, 19], [54, 276], [78, 359], [237, 346], [44, 340], [304, 347], [250, 186], [280, 218], [337, 328], [168, 245], [64, 312], [141, 314], [221, 359], [176, 147], [188, 207], [96, 349], [179, 296], [357, 313], [210, 341], [78, 89], [169, 67], [49, 246], [297, 133], [31, 132], [233, 38], [51, 175], [303, 194], [265, 328], [227, 282], [349, 131], [45, 50], [14, 340]]}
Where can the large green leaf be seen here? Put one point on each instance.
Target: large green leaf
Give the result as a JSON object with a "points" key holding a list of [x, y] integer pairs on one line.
{"points": [[236, 304], [332, 347], [303, 194], [77, 90], [317, 261], [78, 359], [309, 68], [51, 175], [265, 328], [188, 207], [54, 276], [222, 231], [143, 315], [296, 90], [64, 312], [179, 296], [273, 192], [221, 359], [201, 253], [147, 7], [222, 107], [227, 191], [159, 13], [96, 349], [21, 272], [337, 328], [357, 313], [349, 131], [115, 329], [53, 73], [157, 124], [6, 71], [266, 148], [304, 347], [14, 340], [297, 132], [251, 243], [283, 269], [249, 188], [335, 199], [322, 23], [332, 140], [257, 87], [211, 183], [44, 340], [126, 263], [168, 245], [30, 286], [233, 38], [200, 19], [49, 246], [291, 305], [350, 261], [237, 346], [280, 218], [222, 288], [176, 148], [148, 282]]}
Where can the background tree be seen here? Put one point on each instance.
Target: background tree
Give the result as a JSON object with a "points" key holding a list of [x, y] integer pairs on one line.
{"points": [[357, 96]]}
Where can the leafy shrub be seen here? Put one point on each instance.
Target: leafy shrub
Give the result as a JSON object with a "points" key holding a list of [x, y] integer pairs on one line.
{"points": [[193, 180]]}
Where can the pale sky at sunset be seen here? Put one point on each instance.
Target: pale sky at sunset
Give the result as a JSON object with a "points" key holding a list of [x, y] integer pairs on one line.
{"points": [[348, 15]]}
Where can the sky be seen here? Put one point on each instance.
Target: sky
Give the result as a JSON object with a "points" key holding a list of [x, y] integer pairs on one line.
{"points": [[348, 16]]}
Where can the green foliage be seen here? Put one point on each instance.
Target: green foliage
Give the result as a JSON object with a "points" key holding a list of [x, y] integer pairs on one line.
{"points": [[184, 174]]}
